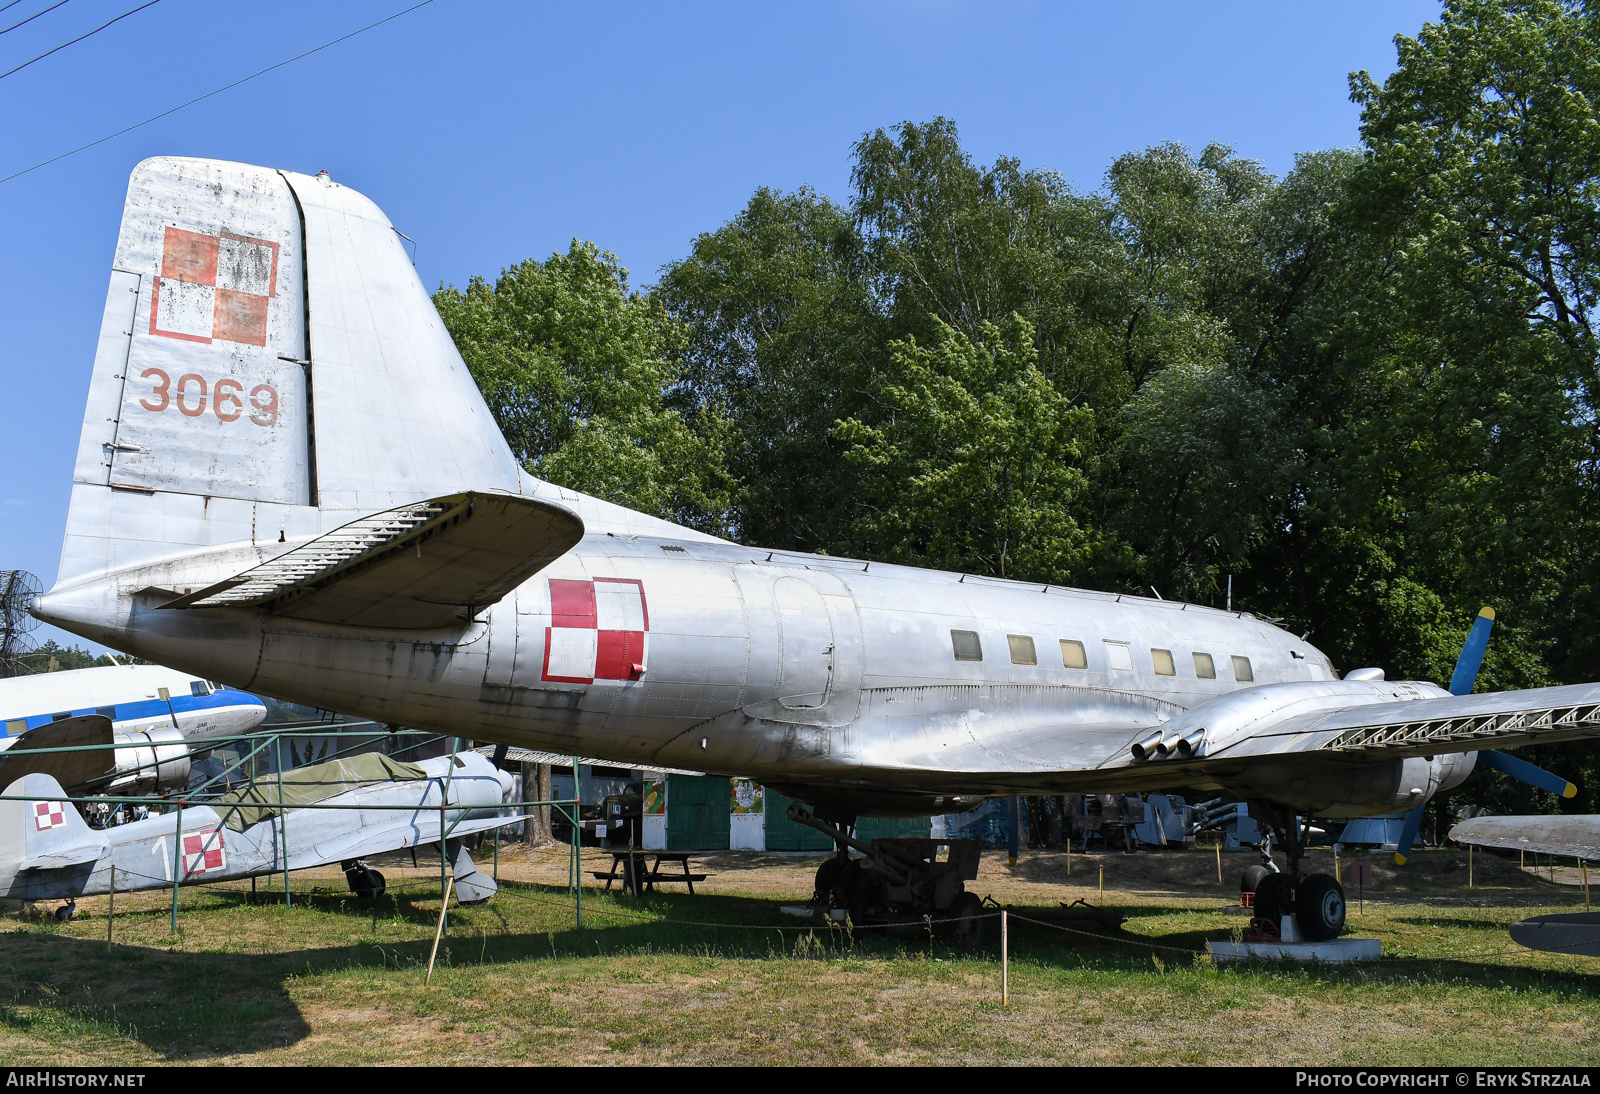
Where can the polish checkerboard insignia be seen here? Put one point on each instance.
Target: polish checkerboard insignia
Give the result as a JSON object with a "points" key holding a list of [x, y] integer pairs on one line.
{"points": [[48, 815], [598, 630], [203, 852], [214, 288]]}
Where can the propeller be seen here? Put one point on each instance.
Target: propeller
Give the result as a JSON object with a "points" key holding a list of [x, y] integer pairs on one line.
{"points": [[1461, 682], [1523, 770]]}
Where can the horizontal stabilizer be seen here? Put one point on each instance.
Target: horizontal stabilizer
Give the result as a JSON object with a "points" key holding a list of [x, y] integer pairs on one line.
{"points": [[1567, 932], [430, 564]]}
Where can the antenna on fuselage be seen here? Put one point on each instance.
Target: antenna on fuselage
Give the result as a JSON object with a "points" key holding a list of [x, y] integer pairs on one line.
{"points": [[1230, 592]]}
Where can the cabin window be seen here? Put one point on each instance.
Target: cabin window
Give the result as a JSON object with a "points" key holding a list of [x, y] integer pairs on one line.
{"points": [[1241, 669], [1204, 667], [1163, 662], [1021, 649], [61, 716], [198, 688], [966, 645], [1072, 655], [16, 726], [107, 712], [1120, 656]]}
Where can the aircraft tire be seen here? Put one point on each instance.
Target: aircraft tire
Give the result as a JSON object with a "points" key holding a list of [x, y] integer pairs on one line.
{"points": [[1251, 879], [1319, 907]]}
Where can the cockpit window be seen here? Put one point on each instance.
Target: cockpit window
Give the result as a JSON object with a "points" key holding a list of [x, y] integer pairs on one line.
{"points": [[1072, 655], [1241, 669], [1162, 660], [199, 688], [1204, 667], [967, 646], [1021, 646]]}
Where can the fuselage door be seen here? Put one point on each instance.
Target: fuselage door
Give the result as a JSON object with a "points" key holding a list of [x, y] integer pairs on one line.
{"points": [[805, 640]]}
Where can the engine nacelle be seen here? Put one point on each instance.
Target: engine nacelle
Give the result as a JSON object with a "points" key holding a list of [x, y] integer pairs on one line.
{"points": [[1343, 788], [149, 761]]}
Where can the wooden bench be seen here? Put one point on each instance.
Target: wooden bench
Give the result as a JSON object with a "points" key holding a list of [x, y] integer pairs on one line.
{"points": [[636, 875]]}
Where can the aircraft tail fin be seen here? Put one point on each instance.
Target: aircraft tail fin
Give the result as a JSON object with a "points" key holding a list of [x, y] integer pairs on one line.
{"points": [[269, 368], [45, 832]]}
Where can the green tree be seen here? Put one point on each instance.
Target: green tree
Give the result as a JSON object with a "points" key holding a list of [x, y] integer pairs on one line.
{"points": [[779, 328], [575, 368], [971, 459]]}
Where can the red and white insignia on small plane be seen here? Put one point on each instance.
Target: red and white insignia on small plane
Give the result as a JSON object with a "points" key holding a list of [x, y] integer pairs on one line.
{"points": [[48, 815], [202, 851], [598, 630], [214, 287]]}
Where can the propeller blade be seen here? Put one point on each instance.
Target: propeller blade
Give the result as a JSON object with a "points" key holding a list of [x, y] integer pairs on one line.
{"points": [[1526, 772], [1408, 834], [1472, 651]]}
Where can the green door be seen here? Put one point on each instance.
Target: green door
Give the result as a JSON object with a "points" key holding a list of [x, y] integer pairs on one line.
{"points": [[784, 834], [871, 828], [697, 813]]}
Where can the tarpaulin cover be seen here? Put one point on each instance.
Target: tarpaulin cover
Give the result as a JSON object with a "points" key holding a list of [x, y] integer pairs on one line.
{"points": [[259, 800]]}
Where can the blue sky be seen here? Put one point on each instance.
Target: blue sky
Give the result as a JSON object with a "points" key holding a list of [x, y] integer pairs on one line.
{"points": [[491, 132]]}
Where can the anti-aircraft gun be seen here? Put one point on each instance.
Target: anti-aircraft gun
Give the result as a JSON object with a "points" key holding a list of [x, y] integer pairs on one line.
{"points": [[899, 880]]}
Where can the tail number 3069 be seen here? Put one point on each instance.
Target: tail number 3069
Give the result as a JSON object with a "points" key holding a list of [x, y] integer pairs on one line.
{"points": [[189, 395]]}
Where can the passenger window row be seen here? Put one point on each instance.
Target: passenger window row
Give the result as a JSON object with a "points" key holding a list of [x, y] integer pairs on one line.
{"points": [[968, 647]]}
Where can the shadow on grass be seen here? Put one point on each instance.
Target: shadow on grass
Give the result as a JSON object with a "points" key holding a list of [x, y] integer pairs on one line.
{"points": [[195, 1005]]}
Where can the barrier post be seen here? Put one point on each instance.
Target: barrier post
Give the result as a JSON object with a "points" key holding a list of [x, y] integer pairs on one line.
{"points": [[1005, 959], [438, 932], [111, 906]]}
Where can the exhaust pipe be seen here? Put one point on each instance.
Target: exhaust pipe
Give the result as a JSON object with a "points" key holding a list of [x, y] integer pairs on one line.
{"points": [[1190, 746], [1149, 748]]}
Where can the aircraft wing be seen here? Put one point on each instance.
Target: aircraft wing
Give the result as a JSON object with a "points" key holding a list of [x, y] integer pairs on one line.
{"points": [[1576, 835], [423, 829], [1415, 727], [75, 770], [426, 565]]}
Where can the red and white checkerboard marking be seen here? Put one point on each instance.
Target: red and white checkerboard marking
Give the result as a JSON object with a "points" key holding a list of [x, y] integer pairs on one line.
{"points": [[598, 630], [48, 815], [202, 852], [214, 287]]}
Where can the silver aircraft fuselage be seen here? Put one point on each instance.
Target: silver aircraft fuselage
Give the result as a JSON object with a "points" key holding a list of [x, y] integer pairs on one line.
{"points": [[833, 677]]}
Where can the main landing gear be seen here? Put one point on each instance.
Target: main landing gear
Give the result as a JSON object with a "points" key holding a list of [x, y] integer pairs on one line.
{"points": [[1316, 903]]}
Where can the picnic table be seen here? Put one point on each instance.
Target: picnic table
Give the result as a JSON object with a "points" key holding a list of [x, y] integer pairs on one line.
{"points": [[636, 874]]}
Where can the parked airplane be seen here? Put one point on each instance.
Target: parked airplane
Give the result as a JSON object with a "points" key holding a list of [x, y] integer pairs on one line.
{"points": [[288, 480], [47, 852], [131, 697], [137, 727]]}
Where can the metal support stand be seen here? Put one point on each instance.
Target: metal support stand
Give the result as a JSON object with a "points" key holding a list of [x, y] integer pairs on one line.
{"points": [[177, 861], [283, 816]]}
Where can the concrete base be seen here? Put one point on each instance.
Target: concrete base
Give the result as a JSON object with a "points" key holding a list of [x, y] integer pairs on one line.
{"points": [[1337, 952]]}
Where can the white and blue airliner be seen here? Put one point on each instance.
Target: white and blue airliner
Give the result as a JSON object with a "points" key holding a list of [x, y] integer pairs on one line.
{"points": [[131, 697]]}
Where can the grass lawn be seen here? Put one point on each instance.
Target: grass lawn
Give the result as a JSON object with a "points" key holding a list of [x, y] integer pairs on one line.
{"points": [[335, 980]]}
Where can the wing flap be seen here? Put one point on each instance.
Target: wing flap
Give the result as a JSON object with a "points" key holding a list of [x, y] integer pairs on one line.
{"points": [[429, 564]]}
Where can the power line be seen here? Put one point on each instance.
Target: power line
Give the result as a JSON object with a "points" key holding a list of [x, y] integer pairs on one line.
{"points": [[79, 38], [209, 94], [32, 17]]}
